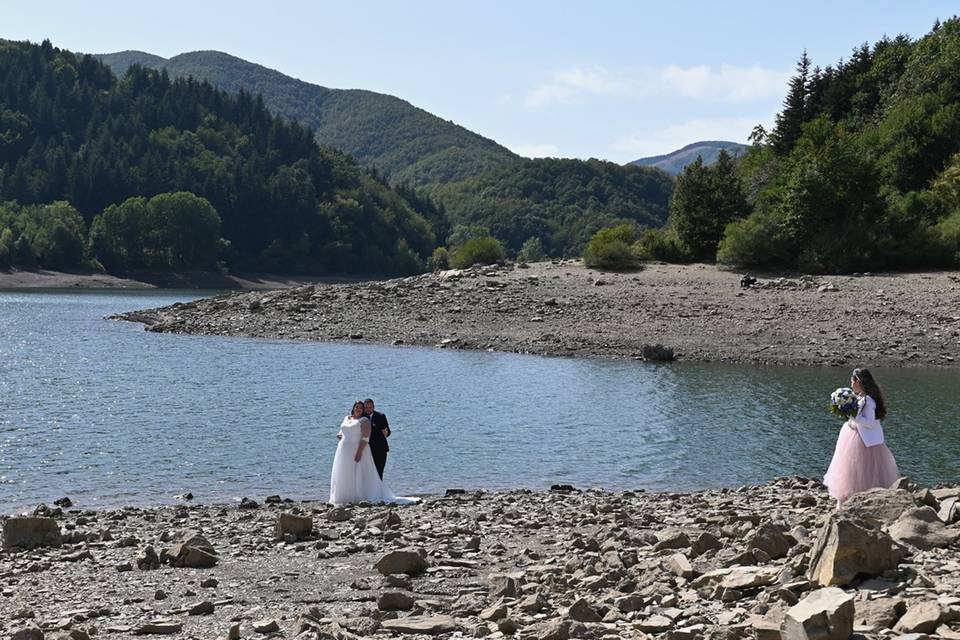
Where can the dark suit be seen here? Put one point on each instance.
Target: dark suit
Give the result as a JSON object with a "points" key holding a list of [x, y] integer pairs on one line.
{"points": [[378, 441]]}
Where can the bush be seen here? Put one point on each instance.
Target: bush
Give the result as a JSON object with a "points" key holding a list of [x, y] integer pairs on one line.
{"points": [[480, 250], [440, 260], [532, 251], [752, 241], [661, 244], [611, 248]]}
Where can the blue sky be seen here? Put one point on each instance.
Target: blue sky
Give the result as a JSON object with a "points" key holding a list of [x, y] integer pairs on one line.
{"points": [[614, 80]]}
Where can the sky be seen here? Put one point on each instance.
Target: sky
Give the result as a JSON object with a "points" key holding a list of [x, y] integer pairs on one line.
{"points": [[604, 79]]}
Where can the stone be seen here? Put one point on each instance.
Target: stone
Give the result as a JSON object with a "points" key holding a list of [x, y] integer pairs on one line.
{"points": [[394, 601], [64, 502], [31, 533], [503, 586], [653, 624], [739, 578], [297, 526], [879, 613], [706, 541], [159, 627], [234, 632], [28, 633], [655, 352], [771, 540], [428, 625], [878, 507], [844, 550], [204, 608], [921, 528], [494, 613], [339, 514], [671, 539], [249, 503], [409, 561], [507, 626], [581, 611], [553, 630], [210, 583], [678, 564], [267, 625], [921, 617], [148, 559], [190, 549], [949, 511], [824, 614]]}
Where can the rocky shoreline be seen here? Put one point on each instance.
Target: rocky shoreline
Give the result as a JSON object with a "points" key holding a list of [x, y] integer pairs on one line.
{"points": [[771, 561], [562, 308]]}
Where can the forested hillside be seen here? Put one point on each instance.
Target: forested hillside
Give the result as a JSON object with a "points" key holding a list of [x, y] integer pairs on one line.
{"points": [[560, 202], [861, 171], [402, 142], [71, 133]]}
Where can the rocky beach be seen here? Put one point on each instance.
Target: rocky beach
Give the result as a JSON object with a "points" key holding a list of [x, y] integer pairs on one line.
{"points": [[561, 308], [771, 561]]}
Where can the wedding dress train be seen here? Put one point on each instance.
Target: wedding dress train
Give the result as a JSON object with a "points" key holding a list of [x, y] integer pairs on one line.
{"points": [[357, 481]]}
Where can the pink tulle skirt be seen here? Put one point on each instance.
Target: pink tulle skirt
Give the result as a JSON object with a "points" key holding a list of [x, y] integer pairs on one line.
{"points": [[856, 467]]}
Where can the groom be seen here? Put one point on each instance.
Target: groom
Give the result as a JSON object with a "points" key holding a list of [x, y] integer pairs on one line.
{"points": [[379, 433]]}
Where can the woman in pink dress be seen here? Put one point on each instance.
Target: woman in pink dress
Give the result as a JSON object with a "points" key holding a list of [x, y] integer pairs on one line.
{"points": [[861, 460]]}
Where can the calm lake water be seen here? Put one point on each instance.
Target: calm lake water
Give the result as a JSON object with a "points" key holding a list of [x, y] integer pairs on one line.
{"points": [[112, 415]]}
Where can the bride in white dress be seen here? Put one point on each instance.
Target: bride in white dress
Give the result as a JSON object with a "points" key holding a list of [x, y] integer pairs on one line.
{"points": [[354, 476]]}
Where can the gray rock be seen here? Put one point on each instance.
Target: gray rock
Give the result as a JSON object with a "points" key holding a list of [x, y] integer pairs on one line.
{"points": [[771, 540], [204, 608], [428, 625], [880, 613], [28, 633], [394, 601], [878, 507], [678, 564], [581, 611], [148, 559], [921, 617], [409, 561], [31, 533], [844, 550], [339, 514], [920, 527], [503, 586], [267, 625], [190, 549], [825, 614], [159, 627], [290, 524]]}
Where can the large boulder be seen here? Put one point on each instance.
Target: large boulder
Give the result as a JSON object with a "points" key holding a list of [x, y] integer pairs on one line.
{"points": [[771, 541], [297, 526], [428, 625], [409, 561], [824, 614], [920, 527], [190, 549], [921, 617], [845, 549], [30, 533], [878, 507]]}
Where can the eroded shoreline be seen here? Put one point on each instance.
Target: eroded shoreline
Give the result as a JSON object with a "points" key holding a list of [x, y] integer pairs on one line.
{"points": [[564, 309]]}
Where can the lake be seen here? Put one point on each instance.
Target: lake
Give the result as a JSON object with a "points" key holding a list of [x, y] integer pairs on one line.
{"points": [[111, 415]]}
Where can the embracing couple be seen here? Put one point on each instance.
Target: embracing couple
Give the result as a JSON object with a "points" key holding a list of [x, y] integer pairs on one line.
{"points": [[361, 457]]}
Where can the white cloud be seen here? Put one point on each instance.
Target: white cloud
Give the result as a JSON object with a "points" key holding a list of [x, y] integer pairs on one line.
{"points": [[728, 83], [568, 84], [723, 83], [536, 150], [659, 141]]}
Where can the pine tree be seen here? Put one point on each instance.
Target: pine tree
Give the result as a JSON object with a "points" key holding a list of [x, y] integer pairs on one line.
{"points": [[789, 123]]}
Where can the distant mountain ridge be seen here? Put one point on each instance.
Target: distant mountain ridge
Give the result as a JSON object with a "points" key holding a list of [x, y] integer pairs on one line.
{"points": [[402, 142], [674, 162]]}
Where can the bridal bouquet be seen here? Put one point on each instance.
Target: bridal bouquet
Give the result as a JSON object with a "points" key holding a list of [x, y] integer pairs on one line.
{"points": [[843, 402]]}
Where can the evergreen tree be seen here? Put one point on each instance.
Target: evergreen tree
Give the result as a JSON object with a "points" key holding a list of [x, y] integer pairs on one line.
{"points": [[789, 122]]}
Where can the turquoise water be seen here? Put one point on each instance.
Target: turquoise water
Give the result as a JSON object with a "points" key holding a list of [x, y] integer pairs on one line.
{"points": [[111, 415]]}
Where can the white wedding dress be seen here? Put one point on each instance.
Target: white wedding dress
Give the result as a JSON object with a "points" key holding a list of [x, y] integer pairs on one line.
{"points": [[357, 481]]}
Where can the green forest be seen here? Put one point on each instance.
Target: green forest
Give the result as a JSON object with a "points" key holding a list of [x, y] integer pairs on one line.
{"points": [[860, 172], [77, 144]]}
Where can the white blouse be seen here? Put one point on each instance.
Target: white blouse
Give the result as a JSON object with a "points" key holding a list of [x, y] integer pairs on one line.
{"points": [[869, 428]]}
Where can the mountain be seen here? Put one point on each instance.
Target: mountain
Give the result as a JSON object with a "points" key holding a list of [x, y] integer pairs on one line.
{"points": [[673, 163], [402, 142], [560, 202], [80, 149]]}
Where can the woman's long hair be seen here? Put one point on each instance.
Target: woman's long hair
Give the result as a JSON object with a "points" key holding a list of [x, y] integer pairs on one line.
{"points": [[354, 409], [870, 387]]}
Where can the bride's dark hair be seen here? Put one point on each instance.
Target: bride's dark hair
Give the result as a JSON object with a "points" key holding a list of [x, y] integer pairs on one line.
{"points": [[872, 389], [354, 408]]}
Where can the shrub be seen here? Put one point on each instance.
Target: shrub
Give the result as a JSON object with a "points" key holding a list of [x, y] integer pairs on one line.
{"points": [[440, 260], [611, 248], [661, 244], [479, 250], [532, 251]]}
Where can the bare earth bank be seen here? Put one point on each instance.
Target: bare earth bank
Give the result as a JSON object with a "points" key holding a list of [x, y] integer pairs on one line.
{"points": [[46, 279], [565, 309]]}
